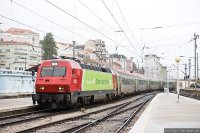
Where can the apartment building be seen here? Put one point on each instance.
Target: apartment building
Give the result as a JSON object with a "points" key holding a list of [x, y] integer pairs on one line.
{"points": [[98, 49], [153, 67], [19, 49]]}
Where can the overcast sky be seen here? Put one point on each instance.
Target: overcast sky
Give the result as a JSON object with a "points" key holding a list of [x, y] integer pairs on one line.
{"points": [[176, 22]]}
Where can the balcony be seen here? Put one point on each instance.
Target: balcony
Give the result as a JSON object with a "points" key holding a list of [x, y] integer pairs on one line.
{"points": [[3, 62], [33, 55], [20, 53], [2, 53]]}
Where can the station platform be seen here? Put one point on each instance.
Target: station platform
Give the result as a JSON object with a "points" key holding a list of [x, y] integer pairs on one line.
{"points": [[164, 111], [15, 105], [14, 95]]}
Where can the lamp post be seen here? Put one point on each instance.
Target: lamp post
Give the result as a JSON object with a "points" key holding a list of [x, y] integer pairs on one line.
{"points": [[177, 59]]}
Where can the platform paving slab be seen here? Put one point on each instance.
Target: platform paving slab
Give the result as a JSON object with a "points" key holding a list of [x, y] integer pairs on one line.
{"points": [[11, 106], [164, 111]]}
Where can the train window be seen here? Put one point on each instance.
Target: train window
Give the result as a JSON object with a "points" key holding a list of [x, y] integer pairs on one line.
{"points": [[46, 71], [59, 71], [53, 71], [141, 82]]}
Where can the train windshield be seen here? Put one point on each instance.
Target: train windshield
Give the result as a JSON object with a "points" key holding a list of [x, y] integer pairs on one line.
{"points": [[53, 71]]}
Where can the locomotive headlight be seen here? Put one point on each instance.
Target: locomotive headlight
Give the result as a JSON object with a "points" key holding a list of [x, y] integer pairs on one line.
{"points": [[61, 88], [41, 88]]}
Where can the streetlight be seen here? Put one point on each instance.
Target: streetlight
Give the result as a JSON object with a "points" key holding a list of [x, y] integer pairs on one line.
{"points": [[177, 59]]}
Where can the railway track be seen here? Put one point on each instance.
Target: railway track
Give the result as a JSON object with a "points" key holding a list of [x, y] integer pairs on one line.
{"points": [[117, 116], [88, 120], [21, 118], [34, 115]]}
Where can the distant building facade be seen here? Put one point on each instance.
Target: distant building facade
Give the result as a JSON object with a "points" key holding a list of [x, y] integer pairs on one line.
{"points": [[98, 49], [19, 49], [66, 49], [153, 68]]}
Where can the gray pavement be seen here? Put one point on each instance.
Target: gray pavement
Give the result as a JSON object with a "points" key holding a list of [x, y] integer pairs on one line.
{"points": [[165, 112], [15, 104]]}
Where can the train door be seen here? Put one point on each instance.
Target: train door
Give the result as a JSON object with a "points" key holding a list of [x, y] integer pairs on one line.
{"points": [[136, 83], [115, 82], [119, 82]]}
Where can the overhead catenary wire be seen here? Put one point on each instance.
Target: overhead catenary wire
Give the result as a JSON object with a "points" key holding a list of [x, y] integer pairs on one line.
{"points": [[127, 25], [177, 47], [84, 23], [95, 15], [120, 27], [167, 39], [178, 25], [45, 18], [31, 27], [78, 19]]}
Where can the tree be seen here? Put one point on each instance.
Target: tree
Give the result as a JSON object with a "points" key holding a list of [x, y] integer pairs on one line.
{"points": [[49, 47]]}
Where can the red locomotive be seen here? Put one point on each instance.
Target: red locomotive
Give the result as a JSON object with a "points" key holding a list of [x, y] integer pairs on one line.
{"points": [[66, 82]]}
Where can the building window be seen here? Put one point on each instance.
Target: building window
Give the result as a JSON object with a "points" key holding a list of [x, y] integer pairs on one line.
{"points": [[15, 68], [7, 68], [21, 68], [7, 50]]}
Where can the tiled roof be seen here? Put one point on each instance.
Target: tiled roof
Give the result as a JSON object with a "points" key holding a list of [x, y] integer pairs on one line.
{"points": [[16, 31]]}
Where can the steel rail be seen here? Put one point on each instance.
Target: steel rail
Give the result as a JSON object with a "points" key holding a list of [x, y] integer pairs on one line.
{"points": [[128, 120], [77, 117], [111, 114]]}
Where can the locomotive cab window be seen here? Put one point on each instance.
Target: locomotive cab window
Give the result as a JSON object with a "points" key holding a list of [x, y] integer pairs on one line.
{"points": [[47, 71], [59, 71], [53, 71]]}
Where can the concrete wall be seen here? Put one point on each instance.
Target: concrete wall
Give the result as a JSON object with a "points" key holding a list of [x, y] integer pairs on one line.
{"points": [[16, 82]]}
